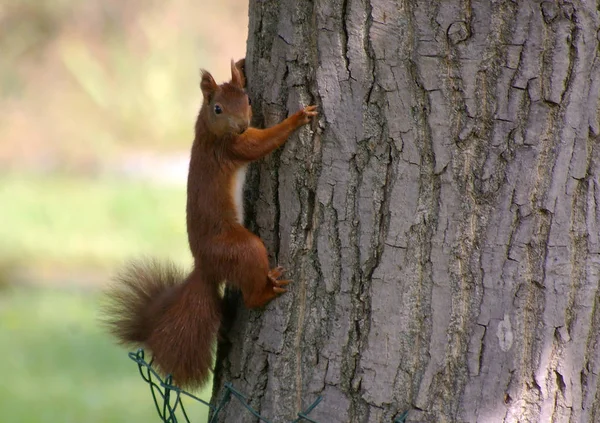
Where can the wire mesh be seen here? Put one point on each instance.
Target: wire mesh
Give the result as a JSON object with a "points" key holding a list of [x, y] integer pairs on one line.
{"points": [[168, 398]]}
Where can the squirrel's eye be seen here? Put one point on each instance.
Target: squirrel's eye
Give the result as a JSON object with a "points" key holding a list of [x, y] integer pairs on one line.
{"points": [[218, 109]]}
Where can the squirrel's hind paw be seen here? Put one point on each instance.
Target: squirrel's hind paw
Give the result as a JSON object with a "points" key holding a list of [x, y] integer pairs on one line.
{"points": [[274, 275]]}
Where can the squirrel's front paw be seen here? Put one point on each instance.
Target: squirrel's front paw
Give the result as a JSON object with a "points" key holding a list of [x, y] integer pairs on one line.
{"points": [[306, 114], [273, 277]]}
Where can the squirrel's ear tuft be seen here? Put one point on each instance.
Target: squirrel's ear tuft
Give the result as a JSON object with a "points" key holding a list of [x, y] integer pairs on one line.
{"points": [[208, 85], [237, 78]]}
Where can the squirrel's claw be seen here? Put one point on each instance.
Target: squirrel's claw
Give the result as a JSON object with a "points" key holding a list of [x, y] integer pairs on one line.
{"points": [[306, 114], [311, 110], [274, 275], [283, 282]]}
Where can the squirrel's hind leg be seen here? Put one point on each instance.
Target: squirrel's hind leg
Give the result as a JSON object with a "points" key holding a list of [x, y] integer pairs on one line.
{"points": [[244, 264]]}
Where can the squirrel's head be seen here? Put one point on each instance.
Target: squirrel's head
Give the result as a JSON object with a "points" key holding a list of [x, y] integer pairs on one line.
{"points": [[226, 108]]}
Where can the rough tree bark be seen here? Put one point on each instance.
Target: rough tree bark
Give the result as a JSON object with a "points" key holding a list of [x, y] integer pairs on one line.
{"points": [[441, 223]]}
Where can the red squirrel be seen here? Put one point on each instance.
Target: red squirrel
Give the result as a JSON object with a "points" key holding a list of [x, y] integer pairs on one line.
{"points": [[176, 316]]}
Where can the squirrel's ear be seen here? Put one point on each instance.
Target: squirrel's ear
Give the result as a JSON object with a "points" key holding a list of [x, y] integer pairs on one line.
{"points": [[241, 67], [237, 77], [208, 85]]}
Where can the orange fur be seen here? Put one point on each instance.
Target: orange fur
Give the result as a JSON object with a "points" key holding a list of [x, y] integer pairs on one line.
{"points": [[178, 317]]}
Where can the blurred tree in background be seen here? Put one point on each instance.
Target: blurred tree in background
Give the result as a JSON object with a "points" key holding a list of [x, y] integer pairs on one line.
{"points": [[97, 107]]}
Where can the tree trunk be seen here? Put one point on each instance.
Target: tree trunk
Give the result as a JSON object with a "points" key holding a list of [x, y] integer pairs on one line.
{"points": [[441, 223]]}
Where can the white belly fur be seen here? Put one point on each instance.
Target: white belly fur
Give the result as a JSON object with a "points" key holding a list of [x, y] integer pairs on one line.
{"points": [[238, 193]]}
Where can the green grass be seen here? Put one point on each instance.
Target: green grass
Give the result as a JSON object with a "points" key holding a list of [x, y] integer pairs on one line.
{"points": [[59, 222], [58, 366]]}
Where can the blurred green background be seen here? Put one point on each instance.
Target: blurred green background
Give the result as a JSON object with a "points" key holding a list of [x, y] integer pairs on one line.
{"points": [[97, 106]]}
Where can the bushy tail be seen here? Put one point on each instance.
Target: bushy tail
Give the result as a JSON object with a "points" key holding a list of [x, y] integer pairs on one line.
{"points": [[176, 317]]}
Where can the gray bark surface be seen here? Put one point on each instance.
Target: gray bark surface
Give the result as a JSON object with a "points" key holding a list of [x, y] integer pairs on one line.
{"points": [[441, 222]]}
